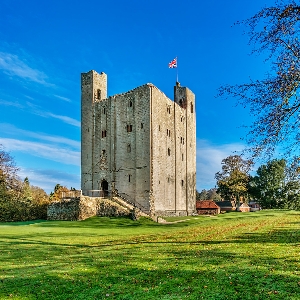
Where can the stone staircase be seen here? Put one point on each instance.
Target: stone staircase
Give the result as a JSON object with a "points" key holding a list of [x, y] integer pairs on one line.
{"points": [[134, 208]]}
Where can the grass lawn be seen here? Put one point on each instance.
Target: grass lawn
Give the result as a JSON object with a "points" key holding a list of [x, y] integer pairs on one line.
{"points": [[231, 256]]}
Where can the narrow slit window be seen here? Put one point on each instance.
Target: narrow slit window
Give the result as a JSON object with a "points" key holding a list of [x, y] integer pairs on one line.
{"points": [[98, 94], [103, 133], [169, 151], [142, 125], [182, 182], [129, 178], [104, 111], [128, 148], [130, 104], [129, 128], [182, 157], [192, 107]]}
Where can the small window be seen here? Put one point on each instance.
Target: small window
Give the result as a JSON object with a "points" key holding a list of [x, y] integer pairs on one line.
{"points": [[104, 111], [182, 182], [181, 140], [158, 127], [192, 107], [98, 94], [142, 125], [128, 148], [169, 151], [103, 133], [103, 152], [182, 157], [130, 104], [158, 181], [181, 119], [129, 178], [169, 132], [168, 179], [129, 128]]}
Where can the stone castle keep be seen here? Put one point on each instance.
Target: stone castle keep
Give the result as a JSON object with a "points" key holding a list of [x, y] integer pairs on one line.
{"points": [[139, 145]]}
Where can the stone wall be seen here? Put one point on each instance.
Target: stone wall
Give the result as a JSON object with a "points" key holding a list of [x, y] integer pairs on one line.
{"points": [[85, 207]]}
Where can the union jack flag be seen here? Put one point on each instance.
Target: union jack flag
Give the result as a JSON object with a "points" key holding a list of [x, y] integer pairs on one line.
{"points": [[173, 63]]}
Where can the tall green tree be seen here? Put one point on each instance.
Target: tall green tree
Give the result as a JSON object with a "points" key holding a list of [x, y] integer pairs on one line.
{"points": [[274, 100], [269, 186], [233, 180]]}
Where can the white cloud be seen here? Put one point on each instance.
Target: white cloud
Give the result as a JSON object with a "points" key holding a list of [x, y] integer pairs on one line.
{"points": [[35, 109], [51, 152], [11, 129], [209, 158], [47, 179], [62, 98], [11, 103], [65, 119], [14, 66]]}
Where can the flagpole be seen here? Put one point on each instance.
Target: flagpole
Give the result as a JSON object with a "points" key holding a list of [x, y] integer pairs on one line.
{"points": [[177, 69]]}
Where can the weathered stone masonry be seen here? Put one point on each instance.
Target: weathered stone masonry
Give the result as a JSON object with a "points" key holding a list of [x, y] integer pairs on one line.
{"points": [[139, 144]]}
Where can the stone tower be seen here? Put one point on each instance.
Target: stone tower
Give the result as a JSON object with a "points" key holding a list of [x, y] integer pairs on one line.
{"points": [[140, 145]]}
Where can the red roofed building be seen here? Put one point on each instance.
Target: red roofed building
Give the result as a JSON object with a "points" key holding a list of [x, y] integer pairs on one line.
{"points": [[207, 207]]}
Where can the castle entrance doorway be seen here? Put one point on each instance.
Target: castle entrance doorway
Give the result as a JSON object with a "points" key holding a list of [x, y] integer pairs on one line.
{"points": [[104, 188]]}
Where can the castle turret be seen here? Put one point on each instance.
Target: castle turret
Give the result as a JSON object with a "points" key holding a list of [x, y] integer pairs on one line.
{"points": [[185, 98], [93, 90]]}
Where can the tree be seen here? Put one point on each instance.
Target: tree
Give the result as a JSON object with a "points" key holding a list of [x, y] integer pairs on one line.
{"points": [[210, 194], [19, 201], [8, 172], [274, 101], [268, 186], [233, 180]]}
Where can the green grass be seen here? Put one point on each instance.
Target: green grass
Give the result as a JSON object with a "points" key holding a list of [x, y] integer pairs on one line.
{"points": [[231, 256]]}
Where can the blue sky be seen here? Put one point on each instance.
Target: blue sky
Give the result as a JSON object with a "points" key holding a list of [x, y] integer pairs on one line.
{"points": [[45, 45]]}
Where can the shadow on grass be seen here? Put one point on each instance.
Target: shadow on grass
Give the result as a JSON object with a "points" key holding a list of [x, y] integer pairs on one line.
{"points": [[175, 278]]}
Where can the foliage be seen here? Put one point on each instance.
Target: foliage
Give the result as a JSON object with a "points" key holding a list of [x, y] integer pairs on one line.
{"points": [[268, 185], [19, 201], [274, 101], [233, 180], [58, 191], [210, 194], [232, 256], [277, 185]]}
